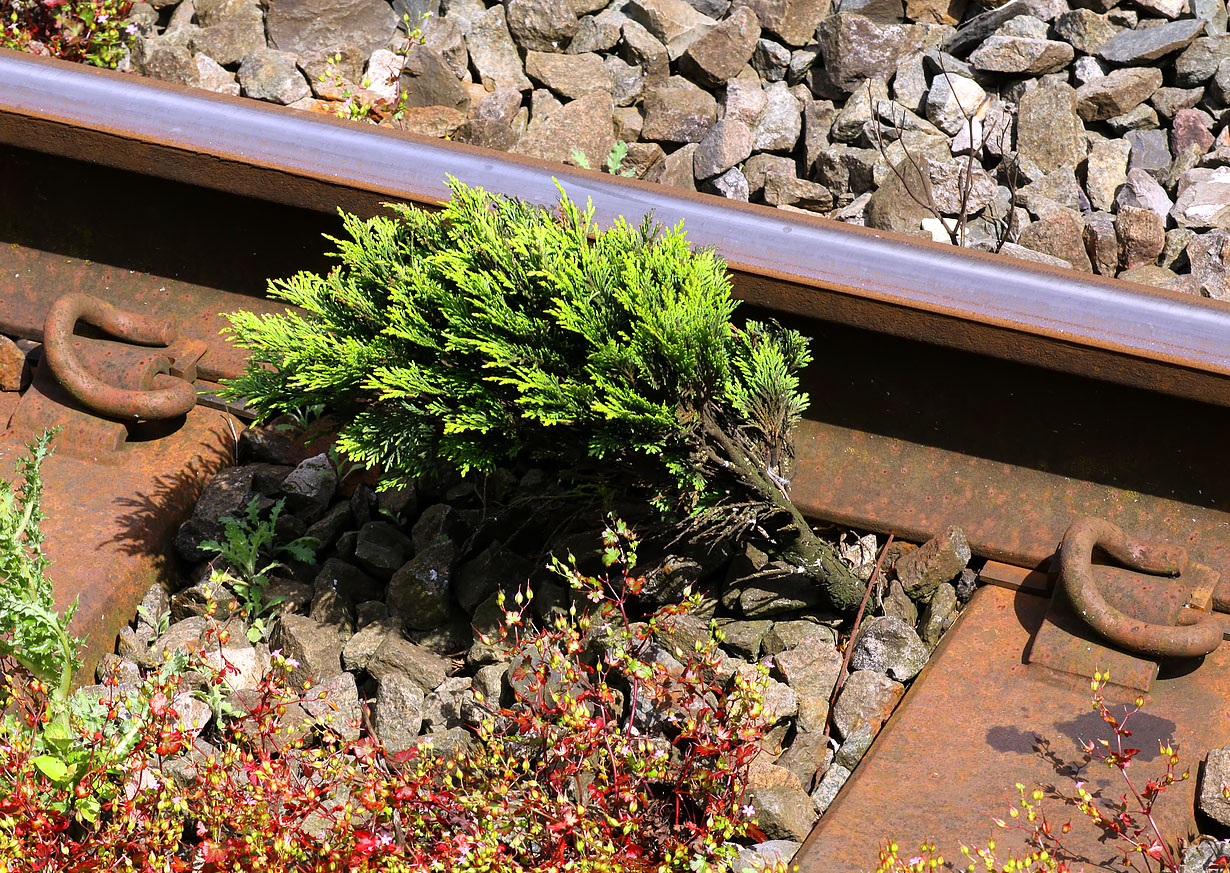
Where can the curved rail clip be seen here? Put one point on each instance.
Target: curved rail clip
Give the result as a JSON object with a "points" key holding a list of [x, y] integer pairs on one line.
{"points": [[1196, 631], [159, 391]]}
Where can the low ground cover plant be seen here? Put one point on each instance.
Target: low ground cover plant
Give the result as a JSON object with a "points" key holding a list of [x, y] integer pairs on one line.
{"points": [[123, 776], [89, 31], [495, 329]]}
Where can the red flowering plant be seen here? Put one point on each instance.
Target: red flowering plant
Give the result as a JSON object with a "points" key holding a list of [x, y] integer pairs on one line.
{"points": [[94, 32], [137, 776], [615, 754]]}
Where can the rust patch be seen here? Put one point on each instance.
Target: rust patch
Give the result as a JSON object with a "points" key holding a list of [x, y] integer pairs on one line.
{"points": [[978, 720]]}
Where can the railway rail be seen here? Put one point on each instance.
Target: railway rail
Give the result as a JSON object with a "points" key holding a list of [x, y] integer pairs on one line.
{"points": [[949, 387]]}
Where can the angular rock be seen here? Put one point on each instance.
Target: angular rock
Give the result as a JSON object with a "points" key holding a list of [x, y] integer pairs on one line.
{"points": [[953, 101], [826, 791], [1141, 118], [939, 615], [493, 52], [598, 33], [855, 49], [773, 595], [1021, 55], [569, 76], [955, 189], [585, 125], [421, 589], [792, 21], [399, 712], [1106, 171], [1141, 236], [494, 568], [1199, 61], [1142, 190], [890, 646], [788, 634], [348, 581], [436, 121], [782, 813], [272, 76], [727, 143], [732, 185], [303, 26], [1189, 130], [721, 53], [779, 125], [309, 488], [758, 169], [314, 645], [1204, 199], [1205, 856], [673, 22], [1138, 46], [868, 697], [1084, 29], [643, 49], [232, 36], [788, 191], [898, 204], [444, 36], [1168, 101], [678, 114], [854, 747], [1116, 93], [541, 25], [225, 495], [743, 638], [381, 651], [938, 560], [770, 60], [1214, 777], [1049, 130], [450, 706], [426, 80], [807, 755], [1209, 256], [810, 669], [1150, 151], [936, 11], [1060, 235], [676, 169], [15, 369], [381, 548], [1149, 274]]}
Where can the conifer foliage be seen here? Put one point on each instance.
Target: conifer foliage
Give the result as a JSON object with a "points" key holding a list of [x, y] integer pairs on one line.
{"points": [[494, 329]]}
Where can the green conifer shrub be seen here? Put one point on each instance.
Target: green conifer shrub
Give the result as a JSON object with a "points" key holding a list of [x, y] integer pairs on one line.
{"points": [[495, 329]]}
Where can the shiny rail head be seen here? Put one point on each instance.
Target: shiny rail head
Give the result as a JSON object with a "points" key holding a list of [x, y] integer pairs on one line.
{"points": [[801, 263]]}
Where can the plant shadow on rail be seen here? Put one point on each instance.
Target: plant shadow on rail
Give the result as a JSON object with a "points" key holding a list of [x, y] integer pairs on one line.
{"points": [[1012, 413]]}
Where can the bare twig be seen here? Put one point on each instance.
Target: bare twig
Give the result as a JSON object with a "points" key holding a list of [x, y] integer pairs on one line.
{"points": [[858, 618]]}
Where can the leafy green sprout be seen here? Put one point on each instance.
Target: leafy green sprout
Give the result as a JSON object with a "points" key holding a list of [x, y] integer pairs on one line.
{"points": [[251, 550], [353, 107], [32, 632], [614, 160]]}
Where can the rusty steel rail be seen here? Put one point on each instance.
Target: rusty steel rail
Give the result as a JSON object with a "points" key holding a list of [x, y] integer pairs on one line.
{"points": [[907, 287], [948, 387]]}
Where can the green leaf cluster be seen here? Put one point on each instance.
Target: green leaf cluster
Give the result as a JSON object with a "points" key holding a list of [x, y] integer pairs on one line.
{"points": [[495, 328], [249, 547], [32, 632]]}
